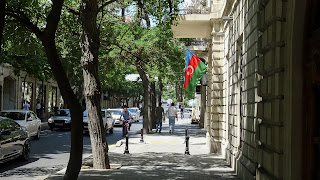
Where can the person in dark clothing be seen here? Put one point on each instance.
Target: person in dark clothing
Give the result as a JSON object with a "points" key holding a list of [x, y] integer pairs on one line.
{"points": [[159, 115]]}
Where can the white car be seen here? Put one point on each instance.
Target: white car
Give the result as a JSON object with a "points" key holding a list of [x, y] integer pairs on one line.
{"points": [[108, 121], [135, 113], [25, 118], [187, 112], [116, 113]]}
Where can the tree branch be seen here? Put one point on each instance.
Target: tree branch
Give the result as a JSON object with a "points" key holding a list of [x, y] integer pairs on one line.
{"points": [[23, 19], [170, 6], [106, 4], [54, 17], [74, 12]]}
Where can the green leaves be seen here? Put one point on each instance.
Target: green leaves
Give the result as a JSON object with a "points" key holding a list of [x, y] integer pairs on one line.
{"points": [[121, 42]]}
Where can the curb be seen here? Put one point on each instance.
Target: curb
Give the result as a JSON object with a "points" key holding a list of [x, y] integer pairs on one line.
{"points": [[45, 125]]}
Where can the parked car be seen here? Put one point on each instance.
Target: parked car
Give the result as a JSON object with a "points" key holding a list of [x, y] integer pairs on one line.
{"points": [[14, 140], [195, 121], [25, 118], [187, 112], [61, 119], [108, 121], [135, 113], [116, 113]]}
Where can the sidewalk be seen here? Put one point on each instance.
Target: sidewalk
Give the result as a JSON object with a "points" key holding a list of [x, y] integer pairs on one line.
{"points": [[161, 156]]}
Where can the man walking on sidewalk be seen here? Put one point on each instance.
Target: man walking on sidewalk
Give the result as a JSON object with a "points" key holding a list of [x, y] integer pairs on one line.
{"points": [[159, 114], [172, 112]]}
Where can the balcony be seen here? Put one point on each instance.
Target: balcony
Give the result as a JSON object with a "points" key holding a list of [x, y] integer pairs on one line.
{"points": [[194, 20], [199, 46], [192, 26]]}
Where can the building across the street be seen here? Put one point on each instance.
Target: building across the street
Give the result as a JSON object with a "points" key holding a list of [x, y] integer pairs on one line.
{"points": [[261, 103], [16, 89]]}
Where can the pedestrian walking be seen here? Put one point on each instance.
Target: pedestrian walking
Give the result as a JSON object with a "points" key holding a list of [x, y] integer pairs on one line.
{"points": [[127, 118], [26, 105], [159, 114], [181, 110], [172, 112], [38, 109]]}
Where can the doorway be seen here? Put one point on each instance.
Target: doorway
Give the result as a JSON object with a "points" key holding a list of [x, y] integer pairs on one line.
{"points": [[311, 92], [9, 95]]}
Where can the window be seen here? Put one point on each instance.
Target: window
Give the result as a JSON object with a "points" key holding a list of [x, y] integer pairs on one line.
{"points": [[14, 115], [32, 115], [103, 114], [9, 125], [26, 89], [108, 114], [41, 94], [62, 112], [52, 101]]}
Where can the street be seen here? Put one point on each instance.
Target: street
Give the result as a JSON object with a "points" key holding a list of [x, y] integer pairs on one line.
{"points": [[50, 153]]}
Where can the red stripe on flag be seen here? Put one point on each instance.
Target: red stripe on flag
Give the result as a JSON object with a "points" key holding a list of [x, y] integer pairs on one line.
{"points": [[193, 64]]}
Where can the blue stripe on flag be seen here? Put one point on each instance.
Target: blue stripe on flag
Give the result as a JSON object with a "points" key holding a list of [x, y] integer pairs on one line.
{"points": [[188, 58]]}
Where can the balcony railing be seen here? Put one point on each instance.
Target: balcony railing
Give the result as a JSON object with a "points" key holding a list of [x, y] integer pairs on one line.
{"points": [[202, 10], [197, 42]]}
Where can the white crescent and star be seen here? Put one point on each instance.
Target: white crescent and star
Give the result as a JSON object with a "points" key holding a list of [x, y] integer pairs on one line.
{"points": [[188, 72]]}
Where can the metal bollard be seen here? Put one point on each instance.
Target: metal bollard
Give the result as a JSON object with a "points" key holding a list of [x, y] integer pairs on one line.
{"points": [[187, 146], [126, 151], [141, 140], [186, 132]]}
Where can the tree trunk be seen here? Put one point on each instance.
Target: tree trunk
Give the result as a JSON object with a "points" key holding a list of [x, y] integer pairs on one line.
{"points": [[160, 90], [147, 126], [92, 87], [48, 41], [153, 104], [177, 92], [47, 38], [71, 100], [146, 97], [181, 93], [123, 14]]}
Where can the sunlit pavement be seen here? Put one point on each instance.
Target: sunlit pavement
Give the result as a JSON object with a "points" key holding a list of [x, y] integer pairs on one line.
{"points": [[50, 154], [161, 156]]}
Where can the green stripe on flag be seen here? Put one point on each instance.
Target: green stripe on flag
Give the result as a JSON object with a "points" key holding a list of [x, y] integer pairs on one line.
{"points": [[196, 76]]}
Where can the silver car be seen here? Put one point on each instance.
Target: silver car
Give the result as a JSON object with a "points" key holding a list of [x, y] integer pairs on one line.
{"points": [[61, 119], [108, 121], [135, 113], [116, 113]]}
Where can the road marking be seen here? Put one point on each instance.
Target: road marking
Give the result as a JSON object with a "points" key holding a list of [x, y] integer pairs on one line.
{"points": [[163, 143], [111, 146]]}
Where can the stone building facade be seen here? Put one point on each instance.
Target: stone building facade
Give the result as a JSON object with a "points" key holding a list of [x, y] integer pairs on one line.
{"points": [[262, 93], [18, 88], [15, 89]]}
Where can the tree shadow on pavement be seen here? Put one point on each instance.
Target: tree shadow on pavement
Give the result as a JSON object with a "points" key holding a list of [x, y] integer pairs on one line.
{"points": [[163, 166], [13, 168]]}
